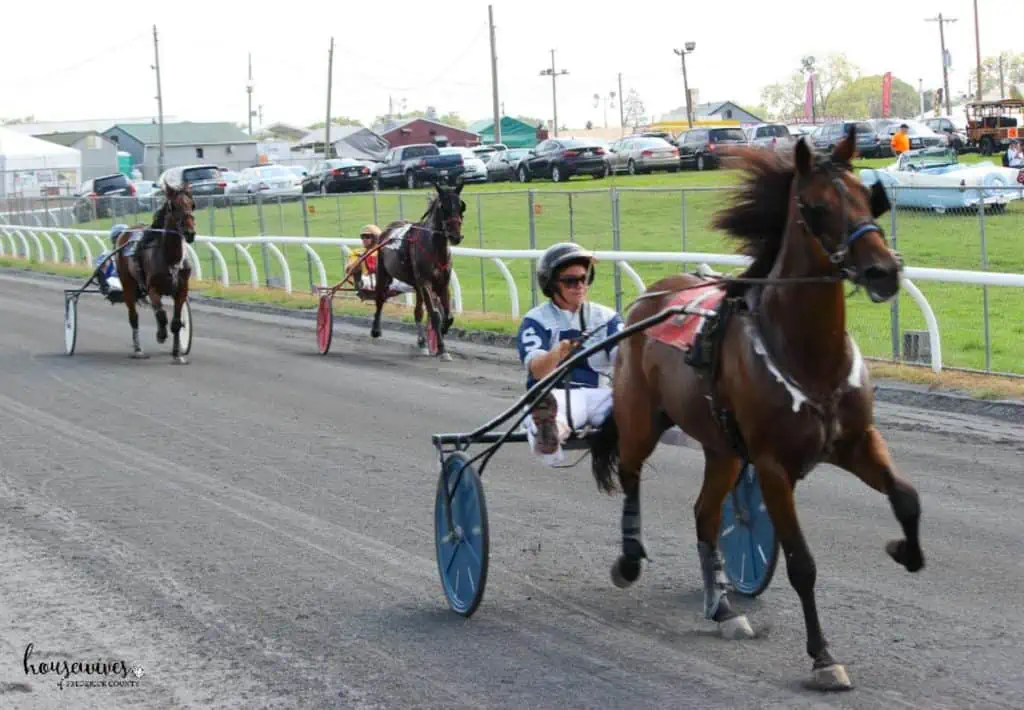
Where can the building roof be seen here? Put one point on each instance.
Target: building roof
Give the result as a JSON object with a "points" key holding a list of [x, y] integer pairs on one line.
{"points": [[68, 138], [187, 133], [318, 135], [392, 126], [92, 124]]}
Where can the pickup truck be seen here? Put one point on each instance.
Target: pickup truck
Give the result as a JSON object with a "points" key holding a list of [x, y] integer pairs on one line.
{"points": [[413, 165]]}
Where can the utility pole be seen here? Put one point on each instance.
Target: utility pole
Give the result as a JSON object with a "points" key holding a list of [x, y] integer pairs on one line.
{"points": [[688, 49], [327, 125], [554, 90], [159, 104], [248, 90], [945, 64], [977, 49], [1002, 83], [622, 111], [494, 77], [920, 93]]}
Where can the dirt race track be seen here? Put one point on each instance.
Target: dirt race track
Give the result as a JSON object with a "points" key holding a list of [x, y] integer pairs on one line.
{"points": [[255, 530]]}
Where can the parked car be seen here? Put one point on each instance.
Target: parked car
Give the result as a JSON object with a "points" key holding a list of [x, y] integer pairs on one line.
{"points": [[770, 136], [561, 158], [502, 165], [146, 195], [642, 154], [956, 137], [103, 197], [475, 169], [940, 169], [698, 147], [338, 175], [921, 136], [271, 181], [486, 152], [870, 143], [205, 181], [414, 165]]}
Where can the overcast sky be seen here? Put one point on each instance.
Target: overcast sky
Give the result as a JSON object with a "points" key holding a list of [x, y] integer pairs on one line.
{"points": [[72, 60]]}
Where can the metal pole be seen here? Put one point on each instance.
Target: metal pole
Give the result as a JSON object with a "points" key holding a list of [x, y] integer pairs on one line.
{"points": [[686, 88], [327, 125], [480, 233], [533, 245], [494, 79], [622, 113], [945, 69], [682, 216], [984, 289], [159, 103], [894, 312], [616, 246], [572, 227], [248, 90], [977, 50], [554, 93]]}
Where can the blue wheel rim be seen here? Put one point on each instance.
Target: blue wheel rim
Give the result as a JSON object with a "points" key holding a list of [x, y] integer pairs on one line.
{"points": [[461, 557], [747, 536]]}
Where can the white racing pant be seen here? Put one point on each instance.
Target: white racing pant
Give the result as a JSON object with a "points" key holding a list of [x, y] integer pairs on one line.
{"points": [[369, 283], [590, 406]]}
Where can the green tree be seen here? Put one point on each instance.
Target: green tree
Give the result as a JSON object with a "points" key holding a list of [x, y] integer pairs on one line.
{"points": [[452, 118], [787, 97], [862, 98], [1013, 72], [336, 121]]}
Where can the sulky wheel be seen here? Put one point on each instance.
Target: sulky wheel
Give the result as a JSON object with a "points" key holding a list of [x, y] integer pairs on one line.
{"points": [[70, 324], [324, 324], [747, 537], [185, 334], [463, 546]]}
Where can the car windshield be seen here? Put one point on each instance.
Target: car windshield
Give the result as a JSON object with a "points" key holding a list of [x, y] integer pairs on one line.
{"points": [[111, 183], [930, 158], [194, 174]]}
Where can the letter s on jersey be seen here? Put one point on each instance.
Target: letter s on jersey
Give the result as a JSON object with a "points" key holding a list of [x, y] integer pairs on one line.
{"points": [[531, 341]]}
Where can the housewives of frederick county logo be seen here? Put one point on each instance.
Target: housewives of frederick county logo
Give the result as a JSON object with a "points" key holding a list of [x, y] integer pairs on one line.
{"points": [[112, 674]]}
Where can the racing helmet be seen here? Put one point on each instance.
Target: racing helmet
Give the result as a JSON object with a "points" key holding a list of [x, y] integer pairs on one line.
{"points": [[558, 256], [115, 232]]}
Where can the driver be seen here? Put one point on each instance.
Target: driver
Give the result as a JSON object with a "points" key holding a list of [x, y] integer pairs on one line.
{"points": [[546, 337], [106, 276]]}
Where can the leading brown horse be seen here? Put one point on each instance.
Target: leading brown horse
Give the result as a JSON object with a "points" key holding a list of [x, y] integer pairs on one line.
{"points": [[782, 385], [159, 267]]}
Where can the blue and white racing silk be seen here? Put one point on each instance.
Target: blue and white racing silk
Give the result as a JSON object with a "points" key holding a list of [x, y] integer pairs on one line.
{"points": [[110, 269], [547, 324]]}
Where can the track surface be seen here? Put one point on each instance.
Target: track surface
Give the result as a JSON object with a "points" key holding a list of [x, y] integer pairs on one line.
{"points": [[255, 530]]}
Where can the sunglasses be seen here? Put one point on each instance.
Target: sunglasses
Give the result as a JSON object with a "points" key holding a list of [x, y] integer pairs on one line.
{"points": [[573, 280]]}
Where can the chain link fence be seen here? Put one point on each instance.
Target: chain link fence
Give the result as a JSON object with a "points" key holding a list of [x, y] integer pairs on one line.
{"points": [[959, 228]]}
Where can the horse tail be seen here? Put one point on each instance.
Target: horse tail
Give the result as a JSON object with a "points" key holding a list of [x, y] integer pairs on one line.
{"points": [[604, 454]]}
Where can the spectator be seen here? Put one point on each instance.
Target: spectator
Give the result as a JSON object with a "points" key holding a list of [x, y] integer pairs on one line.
{"points": [[900, 142], [1014, 155]]}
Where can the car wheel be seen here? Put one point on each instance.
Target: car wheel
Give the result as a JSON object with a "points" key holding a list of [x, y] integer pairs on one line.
{"points": [[556, 174], [523, 177], [323, 189], [631, 167], [700, 162], [410, 180]]}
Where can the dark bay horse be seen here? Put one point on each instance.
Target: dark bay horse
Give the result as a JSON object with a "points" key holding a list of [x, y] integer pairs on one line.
{"points": [[784, 388], [423, 260], [159, 266]]}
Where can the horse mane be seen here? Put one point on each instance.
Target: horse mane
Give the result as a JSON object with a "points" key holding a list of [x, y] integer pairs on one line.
{"points": [[759, 211]]}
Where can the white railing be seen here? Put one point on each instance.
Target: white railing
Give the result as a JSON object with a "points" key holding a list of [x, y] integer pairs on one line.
{"points": [[497, 256]]}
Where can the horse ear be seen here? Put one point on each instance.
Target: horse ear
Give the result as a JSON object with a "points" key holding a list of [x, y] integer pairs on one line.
{"points": [[846, 147], [879, 200], [804, 159]]}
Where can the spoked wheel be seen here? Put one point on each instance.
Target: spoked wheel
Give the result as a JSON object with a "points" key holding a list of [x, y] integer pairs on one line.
{"points": [[185, 334], [747, 536], [324, 324], [463, 547], [70, 324]]}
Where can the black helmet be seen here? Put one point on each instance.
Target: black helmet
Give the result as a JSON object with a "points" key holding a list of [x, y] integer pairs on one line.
{"points": [[558, 256]]}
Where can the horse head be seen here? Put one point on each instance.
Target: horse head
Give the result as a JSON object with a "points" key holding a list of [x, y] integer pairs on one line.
{"points": [[448, 208], [836, 214], [179, 211]]}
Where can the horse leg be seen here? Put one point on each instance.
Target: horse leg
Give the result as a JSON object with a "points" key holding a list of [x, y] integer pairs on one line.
{"points": [[435, 321], [720, 474], [380, 296], [161, 315], [778, 493], [446, 308], [637, 438], [130, 292], [869, 460], [421, 339], [179, 300]]}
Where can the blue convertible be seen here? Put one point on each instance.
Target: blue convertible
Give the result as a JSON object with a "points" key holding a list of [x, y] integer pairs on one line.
{"points": [[935, 180]]}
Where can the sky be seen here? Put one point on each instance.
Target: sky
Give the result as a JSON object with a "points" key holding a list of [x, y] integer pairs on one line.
{"points": [[71, 60]]}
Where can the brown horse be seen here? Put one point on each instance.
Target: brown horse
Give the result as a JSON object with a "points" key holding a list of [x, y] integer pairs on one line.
{"points": [[783, 386], [422, 259], [159, 267]]}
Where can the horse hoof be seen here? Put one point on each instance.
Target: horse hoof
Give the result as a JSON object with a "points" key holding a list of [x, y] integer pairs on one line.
{"points": [[445, 357], [139, 355], [161, 337], [736, 629], [374, 333], [625, 571], [832, 677], [179, 360], [899, 551]]}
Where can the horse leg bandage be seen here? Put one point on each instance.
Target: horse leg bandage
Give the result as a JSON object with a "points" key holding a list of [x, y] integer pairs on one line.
{"points": [[715, 582]]}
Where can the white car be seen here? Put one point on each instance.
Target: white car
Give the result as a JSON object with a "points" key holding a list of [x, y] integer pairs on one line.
{"points": [[272, 181], [476, 169]]}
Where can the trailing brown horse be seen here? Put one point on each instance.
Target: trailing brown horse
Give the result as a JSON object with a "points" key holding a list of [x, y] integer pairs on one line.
{"points": [[159, 267], [422, 259], [779, 383]]}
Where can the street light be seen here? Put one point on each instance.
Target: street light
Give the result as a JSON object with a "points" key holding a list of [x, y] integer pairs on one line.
{"points": [[688, 48], [554, 92]]}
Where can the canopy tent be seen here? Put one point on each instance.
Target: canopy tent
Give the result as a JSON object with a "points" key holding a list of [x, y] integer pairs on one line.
{"points": [[514, 133], [30, 166], [349, 142]]}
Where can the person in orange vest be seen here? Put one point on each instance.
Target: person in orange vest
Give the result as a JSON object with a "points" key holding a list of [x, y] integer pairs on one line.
{"points": [[900, 142]]}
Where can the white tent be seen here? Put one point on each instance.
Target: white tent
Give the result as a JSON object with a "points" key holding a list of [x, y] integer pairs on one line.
{"points": [[28, 166]]}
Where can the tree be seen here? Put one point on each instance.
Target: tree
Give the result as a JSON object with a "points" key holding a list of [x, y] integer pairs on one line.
{"points": [[336, 121], [1013, 73], [863, 98], [787, 97], [452, 118], [761, 111], [636, 114]]}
